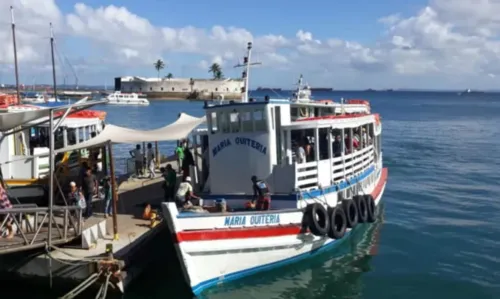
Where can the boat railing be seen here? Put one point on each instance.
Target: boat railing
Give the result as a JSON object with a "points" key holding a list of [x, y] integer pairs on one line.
{"points": [[30, 225], [306, 174]]}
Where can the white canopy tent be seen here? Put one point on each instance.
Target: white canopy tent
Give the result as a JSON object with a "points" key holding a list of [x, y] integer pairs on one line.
{"points": [[178, 130], [12, 119]]}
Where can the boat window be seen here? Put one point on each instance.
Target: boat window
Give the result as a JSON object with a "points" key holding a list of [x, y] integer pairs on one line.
{"points": [[246, 121], [222, 122], [260, 120], [235, 121], [212, 122]]}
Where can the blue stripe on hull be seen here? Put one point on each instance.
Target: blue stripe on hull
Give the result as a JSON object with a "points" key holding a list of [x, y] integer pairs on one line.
{"points": [[305, 195], [247, 272]]}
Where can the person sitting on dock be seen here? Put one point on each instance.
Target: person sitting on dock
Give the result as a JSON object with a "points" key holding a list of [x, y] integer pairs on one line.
{"points": [[261, 194], [137, 155], [185, 196], [151, 161], [170, 181], [5, 204]]}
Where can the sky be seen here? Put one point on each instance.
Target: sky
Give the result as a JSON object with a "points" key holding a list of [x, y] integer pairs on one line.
{"points": [[357, 44]]}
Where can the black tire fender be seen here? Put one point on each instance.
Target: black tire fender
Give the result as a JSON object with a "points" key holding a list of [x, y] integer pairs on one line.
{"points": [[338, 223], [351, 213], [318, 220], [371, 208], [362, 207]]}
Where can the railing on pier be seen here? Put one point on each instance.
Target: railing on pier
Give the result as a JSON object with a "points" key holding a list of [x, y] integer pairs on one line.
{"points": [[30, 225], [309, 175]]}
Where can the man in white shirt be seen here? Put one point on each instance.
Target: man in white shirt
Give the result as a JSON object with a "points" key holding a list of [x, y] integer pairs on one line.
{"points": [[185, 195], [150, 155], [300, 155]]}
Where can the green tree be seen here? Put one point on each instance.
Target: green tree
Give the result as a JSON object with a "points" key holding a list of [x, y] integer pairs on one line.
{"points": [[216, 71], [159, 65], [169, 76]]}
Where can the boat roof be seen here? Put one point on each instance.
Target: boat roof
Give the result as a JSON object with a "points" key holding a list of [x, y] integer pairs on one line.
{"points": [[312, 103], [67, 122]]}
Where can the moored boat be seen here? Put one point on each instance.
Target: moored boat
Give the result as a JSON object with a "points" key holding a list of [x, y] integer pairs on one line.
{"points": [[134, 99], [319, 165]]}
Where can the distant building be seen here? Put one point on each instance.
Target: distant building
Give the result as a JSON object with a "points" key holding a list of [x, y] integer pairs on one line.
{"points": [[181, 88]]}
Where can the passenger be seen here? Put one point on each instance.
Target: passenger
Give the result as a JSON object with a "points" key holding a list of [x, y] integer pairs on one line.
{"points": [[300, 154], [5, 204], [108, 197], [136, 153], [261, 194], [76, 198], [337, 147], [187, 162], [364, 137], [151, 161], [170, 181], [88, 189], [185, 196], [179, 153]]}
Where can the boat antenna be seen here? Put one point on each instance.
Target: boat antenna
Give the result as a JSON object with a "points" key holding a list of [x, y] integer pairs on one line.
{"points": [[15, 53], [53, 61], [246, 73]]}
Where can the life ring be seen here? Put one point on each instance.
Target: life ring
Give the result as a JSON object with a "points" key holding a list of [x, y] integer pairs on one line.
{"points": [[351, 213], [362, 208], [338, 223], [370, 203], [317, 219]]}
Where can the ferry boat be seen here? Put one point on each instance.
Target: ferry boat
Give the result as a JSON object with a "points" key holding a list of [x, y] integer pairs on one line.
{"points": [[315, 203], [118, 98], [24, 156], [37, 98], [303, 92]]}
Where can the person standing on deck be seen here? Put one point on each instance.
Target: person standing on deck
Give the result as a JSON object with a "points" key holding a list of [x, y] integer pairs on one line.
{"points": [[179, 153], [170, 182], [150, 155], [137, 155], [300, 155], [108, 197], [187, 162], [88, 190], [261, 194]]}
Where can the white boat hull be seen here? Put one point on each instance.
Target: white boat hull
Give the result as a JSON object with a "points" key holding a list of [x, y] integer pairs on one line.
{"points": [[131, 103], [211, 256]]}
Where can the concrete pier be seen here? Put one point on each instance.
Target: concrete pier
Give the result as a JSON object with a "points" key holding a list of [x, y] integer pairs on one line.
{"points": [[74, 262]]}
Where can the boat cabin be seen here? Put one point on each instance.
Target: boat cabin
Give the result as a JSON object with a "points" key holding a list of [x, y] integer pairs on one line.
{"points": [[261, 138], [22, 155]]}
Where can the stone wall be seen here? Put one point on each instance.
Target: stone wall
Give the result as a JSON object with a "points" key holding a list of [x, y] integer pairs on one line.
{"points": [[183, 88]]}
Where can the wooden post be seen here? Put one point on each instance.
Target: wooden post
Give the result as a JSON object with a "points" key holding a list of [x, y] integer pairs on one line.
{"points": [[113, 191], [157, 155]]}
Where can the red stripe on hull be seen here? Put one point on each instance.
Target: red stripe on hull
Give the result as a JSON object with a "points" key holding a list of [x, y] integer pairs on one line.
{"points": [[257, 232]]}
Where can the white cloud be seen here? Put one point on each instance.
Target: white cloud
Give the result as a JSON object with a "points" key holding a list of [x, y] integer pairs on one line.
{"points": [[446, 42]]}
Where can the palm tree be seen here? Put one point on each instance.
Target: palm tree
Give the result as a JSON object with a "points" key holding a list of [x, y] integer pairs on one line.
{"points": [[216, 71], [159, 65], [169, 76]]}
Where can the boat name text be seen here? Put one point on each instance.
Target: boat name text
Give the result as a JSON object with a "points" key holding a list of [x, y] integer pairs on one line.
{"points": [[253, 220], [239, 141]]}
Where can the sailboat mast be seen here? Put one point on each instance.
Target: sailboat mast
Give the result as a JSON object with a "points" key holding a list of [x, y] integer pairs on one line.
{"points": [[53, 61], [15, 53]]}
